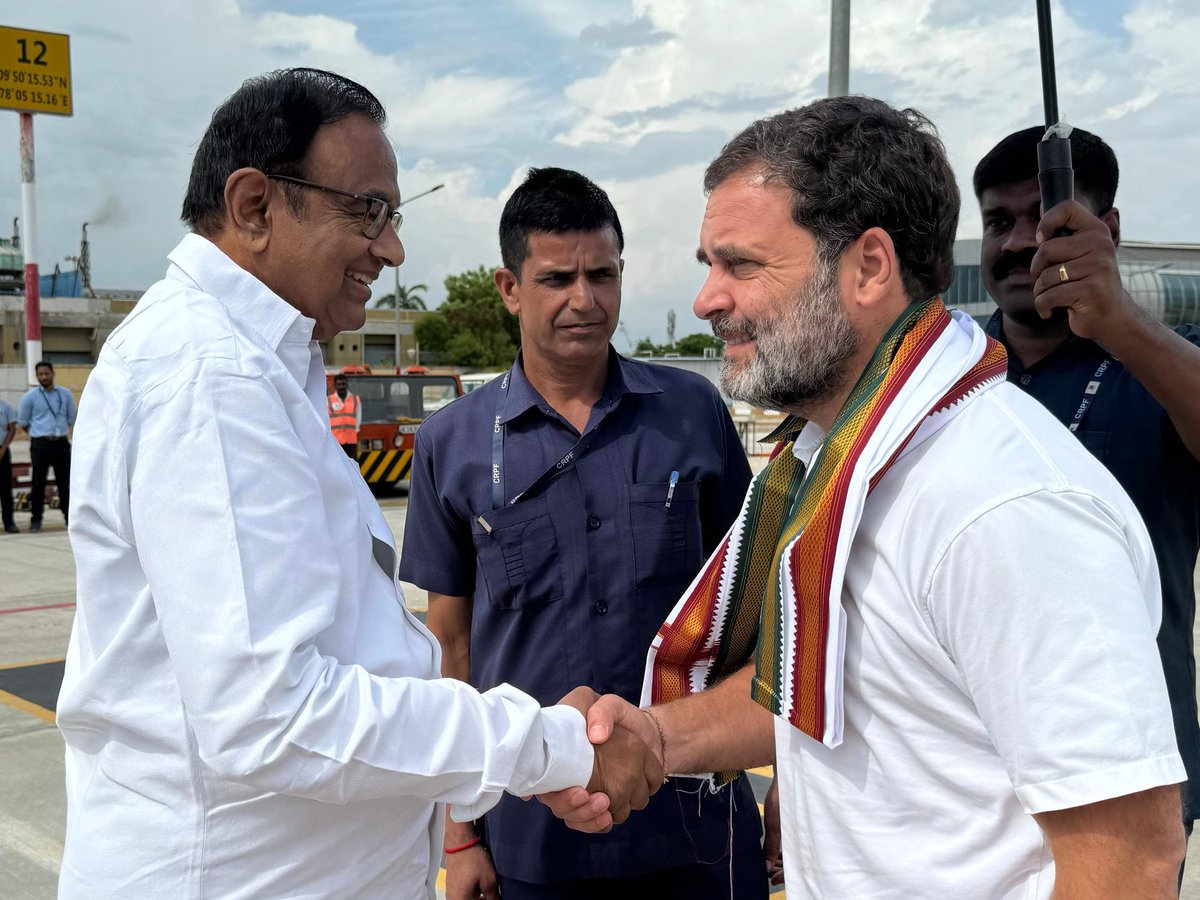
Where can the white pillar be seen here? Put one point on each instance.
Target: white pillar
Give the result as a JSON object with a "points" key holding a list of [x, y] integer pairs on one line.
{"points": [[33, 307]]}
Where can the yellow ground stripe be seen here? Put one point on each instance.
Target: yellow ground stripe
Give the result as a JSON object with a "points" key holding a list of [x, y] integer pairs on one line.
{"points": [[35, 662], [398, 471], [22, 705], [764, 771], [441, 880], [372, 464], [365, 461], [369, 464]]}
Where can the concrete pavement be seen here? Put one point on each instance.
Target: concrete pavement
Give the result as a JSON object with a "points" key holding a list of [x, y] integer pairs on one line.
{"points": [[37, 588], [37, 594]]}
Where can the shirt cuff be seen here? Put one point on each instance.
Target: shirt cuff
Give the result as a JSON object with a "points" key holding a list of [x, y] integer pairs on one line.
{"points": [[569, 761], [1092, 787], [571, 758]]}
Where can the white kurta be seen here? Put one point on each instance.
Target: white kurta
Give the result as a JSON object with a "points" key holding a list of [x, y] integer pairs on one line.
{"points": [[249, 708]]}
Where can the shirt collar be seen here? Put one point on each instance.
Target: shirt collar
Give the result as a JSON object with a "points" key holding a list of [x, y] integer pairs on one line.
{"points": [[807, 442], [251, 304], [624, 377], [1072, 346]]}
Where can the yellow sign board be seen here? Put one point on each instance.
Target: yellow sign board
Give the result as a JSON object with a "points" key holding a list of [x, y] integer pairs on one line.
{"points": [[35, 71]]}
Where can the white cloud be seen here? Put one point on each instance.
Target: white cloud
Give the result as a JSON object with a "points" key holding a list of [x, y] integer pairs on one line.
{"points": [[642, 119]]}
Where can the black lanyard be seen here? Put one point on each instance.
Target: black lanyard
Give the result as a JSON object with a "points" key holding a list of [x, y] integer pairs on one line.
{"points": [[498, 429], [54, 412], [1089, 394]]}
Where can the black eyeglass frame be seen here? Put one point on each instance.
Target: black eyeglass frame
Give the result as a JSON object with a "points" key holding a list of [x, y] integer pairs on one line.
{"points": [[378, 212]]}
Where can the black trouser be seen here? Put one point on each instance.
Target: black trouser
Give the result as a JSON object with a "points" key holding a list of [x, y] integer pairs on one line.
{"points": [[45, 452], [1187, 835], [6, 498], [351, 450], [737, 875]]}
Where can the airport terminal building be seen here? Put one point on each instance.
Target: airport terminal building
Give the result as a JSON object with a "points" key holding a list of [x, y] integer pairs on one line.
{"points": [[1163, 278]]}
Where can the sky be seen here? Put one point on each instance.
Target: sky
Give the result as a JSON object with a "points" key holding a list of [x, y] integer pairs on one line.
{"points": [[637, 94]]}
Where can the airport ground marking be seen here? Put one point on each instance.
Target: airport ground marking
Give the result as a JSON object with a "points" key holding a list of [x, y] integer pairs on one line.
{"points": [[30, 663], [23, 705], [22, 609]]}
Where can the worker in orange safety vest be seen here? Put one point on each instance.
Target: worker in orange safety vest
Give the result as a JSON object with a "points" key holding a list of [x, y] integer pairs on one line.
{"points": [[345, 415]]}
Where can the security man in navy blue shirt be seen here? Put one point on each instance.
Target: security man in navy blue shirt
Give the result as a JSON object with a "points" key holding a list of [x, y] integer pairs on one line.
{"points": [[555, 516], [1127, 385]]}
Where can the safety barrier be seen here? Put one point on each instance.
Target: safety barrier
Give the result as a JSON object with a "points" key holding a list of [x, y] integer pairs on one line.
{"points": [[385, 466]]}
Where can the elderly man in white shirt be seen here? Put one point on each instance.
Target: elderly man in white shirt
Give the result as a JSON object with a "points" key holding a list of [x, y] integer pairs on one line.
{"points": [[247, 714]]}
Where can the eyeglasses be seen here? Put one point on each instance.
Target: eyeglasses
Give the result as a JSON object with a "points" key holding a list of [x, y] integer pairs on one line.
{"points": [[378, 212]]}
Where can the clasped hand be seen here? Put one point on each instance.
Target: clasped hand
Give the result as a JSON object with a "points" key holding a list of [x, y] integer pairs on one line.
{"points": [[1078, 272], [628, 766]]}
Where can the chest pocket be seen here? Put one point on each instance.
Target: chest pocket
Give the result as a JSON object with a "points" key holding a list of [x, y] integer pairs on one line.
{"points": [[666, 540], [519, 558]]}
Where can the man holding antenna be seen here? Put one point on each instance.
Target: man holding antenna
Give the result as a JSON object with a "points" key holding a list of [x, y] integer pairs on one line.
{"points": [[1123, 382]]}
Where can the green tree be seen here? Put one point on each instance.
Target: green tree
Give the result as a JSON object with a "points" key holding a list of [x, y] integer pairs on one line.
{"points": [[411, 297], [696, 344], [692, 345], [647, 347], [472, 327]]}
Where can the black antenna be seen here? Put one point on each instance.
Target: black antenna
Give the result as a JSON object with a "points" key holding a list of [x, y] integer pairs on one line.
{"points": [[1055, 174], [1046, 49]]}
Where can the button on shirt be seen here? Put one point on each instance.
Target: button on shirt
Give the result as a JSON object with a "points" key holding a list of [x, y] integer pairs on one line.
{"points": [[248, 707], [1129, 431], [571, 582], [46, 413]]}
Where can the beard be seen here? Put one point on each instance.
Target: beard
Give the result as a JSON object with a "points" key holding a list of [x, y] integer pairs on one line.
{"points": [[799, 353]]}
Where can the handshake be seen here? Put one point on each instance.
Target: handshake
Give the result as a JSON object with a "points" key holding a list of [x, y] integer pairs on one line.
{"points": [[630, 763]]}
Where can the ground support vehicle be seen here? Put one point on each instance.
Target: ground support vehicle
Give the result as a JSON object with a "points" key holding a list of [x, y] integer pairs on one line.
{"points": [[394, 404]]}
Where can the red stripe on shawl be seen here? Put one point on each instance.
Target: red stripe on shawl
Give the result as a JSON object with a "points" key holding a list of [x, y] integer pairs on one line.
{"points": [[894, 381], [684, 650], [978, 374]]}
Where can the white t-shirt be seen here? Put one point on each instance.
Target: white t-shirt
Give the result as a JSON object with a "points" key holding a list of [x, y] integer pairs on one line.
{"points": [[1002, 602]]}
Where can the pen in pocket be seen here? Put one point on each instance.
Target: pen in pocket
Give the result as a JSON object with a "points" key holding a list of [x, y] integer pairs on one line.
{"points": [[671, 488]]}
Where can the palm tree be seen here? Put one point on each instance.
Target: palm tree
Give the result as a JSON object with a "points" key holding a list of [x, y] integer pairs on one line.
{"points": [[410, 297]]}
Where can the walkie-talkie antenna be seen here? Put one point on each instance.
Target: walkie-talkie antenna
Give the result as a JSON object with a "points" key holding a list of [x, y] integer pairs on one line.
{"points": [[1055, 174]]}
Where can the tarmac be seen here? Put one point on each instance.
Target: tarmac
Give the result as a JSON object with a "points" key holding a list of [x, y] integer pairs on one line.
{"points": [[37, 594]]}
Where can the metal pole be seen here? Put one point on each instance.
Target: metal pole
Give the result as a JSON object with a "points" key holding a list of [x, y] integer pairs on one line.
{"points": [[436, 187], [33, 308], [1046, 53], [396, 296], [396, 299], [839, 48]]}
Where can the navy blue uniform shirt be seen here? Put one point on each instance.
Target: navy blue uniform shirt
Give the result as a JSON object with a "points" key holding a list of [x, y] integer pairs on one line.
{"points": [[573, 580], [1130, 432]]}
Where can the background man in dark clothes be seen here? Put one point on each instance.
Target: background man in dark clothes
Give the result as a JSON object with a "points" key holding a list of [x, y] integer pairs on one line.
{"points": [[1126, 384], [555, 516], [8, 430]]}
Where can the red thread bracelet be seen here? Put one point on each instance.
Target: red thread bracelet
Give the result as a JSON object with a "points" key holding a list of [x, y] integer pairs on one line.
{"points": [[470, 843]]}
